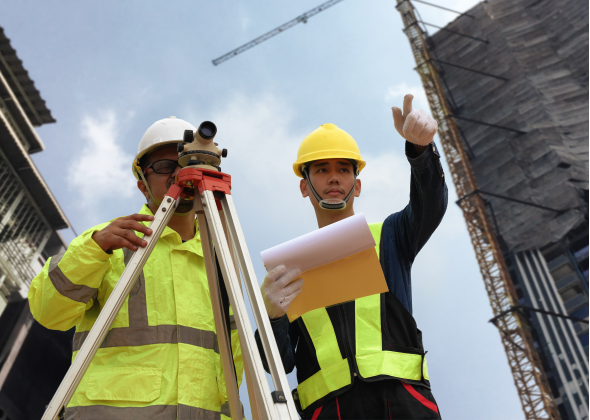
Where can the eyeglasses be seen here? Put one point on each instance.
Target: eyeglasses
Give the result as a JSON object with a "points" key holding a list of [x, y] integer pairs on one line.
{"points": [[164, 166]]}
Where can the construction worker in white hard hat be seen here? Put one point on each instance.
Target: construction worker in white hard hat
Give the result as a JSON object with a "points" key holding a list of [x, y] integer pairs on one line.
{"points": [[362, 359], [160, 359]]}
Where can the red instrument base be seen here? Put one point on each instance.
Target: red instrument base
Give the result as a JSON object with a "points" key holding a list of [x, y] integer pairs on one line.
{"points": [[189, 179]]}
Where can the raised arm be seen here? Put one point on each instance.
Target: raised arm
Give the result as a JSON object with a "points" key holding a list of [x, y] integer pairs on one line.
{"points": [[69, 283], [414, 225]]}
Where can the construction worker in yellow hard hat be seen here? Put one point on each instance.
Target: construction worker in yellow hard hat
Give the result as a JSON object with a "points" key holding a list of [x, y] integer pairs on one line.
{"points": [[362, 359], [160, 359]]}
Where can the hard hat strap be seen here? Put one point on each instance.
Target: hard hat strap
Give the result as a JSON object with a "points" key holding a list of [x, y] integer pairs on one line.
{"points": [[351, 191], [329, 204], [147, 186]]}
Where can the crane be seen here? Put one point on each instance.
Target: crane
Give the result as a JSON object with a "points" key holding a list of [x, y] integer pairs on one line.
{"points": [[299, 19]]}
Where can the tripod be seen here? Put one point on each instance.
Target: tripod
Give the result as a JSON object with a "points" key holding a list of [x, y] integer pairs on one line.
{"points": [[218, 220]]}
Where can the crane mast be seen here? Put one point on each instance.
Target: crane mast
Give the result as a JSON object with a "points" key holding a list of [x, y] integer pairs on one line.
{"points": [[523, 358]]}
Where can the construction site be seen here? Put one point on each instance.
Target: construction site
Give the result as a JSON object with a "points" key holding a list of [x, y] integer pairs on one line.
{"points": [[507, 83]]}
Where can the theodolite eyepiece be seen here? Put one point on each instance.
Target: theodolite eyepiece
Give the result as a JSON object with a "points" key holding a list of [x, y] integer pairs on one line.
{"points": [[207, 130], [199, 150]]}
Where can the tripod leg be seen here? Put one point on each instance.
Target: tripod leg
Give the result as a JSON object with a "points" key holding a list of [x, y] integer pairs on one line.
{"points": [[232, 247], [110, 310], [254, 407], [262, 321], [233, 285], [220, 325]]}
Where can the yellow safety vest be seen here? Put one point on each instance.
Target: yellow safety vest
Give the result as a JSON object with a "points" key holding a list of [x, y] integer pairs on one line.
{"points": [[160, 358], [335, 372]]}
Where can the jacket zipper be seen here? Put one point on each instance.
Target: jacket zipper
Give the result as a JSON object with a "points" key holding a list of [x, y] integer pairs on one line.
{"points": [[346, 338]]}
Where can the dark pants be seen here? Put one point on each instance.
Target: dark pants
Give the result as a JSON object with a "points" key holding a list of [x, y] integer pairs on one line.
{"points": [[388, 399]]}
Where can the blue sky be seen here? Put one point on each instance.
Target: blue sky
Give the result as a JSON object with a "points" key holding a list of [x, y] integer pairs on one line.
{"points": [[109, 69]]}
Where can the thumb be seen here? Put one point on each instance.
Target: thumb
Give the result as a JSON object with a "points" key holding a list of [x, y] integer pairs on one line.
{"points": [[398, 119], [408, 104]]}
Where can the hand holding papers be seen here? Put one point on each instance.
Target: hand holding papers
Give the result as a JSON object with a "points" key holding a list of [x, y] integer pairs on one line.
{"points": [[279, 288], [338, 264]]}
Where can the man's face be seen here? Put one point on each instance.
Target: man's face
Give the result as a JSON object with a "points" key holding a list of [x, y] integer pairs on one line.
{"points": [[160, 183], [331, 178]]}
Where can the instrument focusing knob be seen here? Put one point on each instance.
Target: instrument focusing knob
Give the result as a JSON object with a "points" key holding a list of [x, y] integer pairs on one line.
{"points": [[188, 136]]}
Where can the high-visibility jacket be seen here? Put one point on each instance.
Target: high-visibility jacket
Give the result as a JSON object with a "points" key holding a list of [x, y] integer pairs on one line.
{"points": [[364, 338], [160, 358]]}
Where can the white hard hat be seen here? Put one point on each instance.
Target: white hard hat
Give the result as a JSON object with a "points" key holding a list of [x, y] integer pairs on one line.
{"points": [[166, 131]]}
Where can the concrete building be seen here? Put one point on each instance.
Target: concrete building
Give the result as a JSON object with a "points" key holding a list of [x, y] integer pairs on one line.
{"points": [[515, 73], [33, 359]]}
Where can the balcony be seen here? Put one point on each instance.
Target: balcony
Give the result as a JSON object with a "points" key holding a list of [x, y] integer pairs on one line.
{"points": [[575, 303], [566, 282]]}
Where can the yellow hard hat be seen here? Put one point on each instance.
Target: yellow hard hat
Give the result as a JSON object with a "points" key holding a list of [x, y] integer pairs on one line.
{"points": [[327, 142]]}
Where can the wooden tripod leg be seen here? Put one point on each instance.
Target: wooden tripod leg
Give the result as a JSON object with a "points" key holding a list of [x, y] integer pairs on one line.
{"points": [[254, 406], [220, 325], [286, 410], [249, 348], [232, 248]]}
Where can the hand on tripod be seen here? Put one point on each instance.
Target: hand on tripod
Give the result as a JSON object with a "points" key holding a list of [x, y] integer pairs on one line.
{"points": [[120, 233]]}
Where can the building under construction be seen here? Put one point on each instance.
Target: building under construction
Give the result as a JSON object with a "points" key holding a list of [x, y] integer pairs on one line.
{"points": [[33, 359], [508, 83]]}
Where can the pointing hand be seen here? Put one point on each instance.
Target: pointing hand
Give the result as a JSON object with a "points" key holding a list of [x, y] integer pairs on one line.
{"points": [[415, 125]]}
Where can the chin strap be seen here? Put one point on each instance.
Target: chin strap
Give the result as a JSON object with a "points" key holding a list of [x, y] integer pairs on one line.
{"points": [[147, 186], [329, 203]]}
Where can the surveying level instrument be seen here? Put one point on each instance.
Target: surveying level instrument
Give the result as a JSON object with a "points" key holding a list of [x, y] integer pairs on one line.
{"points": [[218, 220]]}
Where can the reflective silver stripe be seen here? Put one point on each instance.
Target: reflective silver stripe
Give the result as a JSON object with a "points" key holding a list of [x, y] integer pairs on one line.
{"points": [[137, 304], [186, 412], [127, 254], [227, 412], [65, 287], [102, 412], [199, 338], [140, 333], [157, 334]]}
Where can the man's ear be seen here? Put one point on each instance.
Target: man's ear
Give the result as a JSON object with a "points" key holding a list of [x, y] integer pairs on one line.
{"points": [[357, 188], [303, 188], [143, 189]]}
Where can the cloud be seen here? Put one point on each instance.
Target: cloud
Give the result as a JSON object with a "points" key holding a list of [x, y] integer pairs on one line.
{"points": [[385, 185], [396, 93], [101, 171], [262, 146]]}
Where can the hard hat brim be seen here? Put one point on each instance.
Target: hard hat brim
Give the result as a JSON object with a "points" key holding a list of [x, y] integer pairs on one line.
{"points": [[311, 157]]}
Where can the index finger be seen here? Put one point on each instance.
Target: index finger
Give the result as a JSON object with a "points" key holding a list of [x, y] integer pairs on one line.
{"points": [[141, 217], [408, 103], [289, 276]]}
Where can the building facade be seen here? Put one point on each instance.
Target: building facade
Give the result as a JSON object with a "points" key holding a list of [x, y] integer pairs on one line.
{"points": [[515, 74], [30, 218]]}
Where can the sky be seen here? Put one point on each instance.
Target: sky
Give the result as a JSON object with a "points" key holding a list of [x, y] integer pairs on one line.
{"points": [[110, 69]]}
